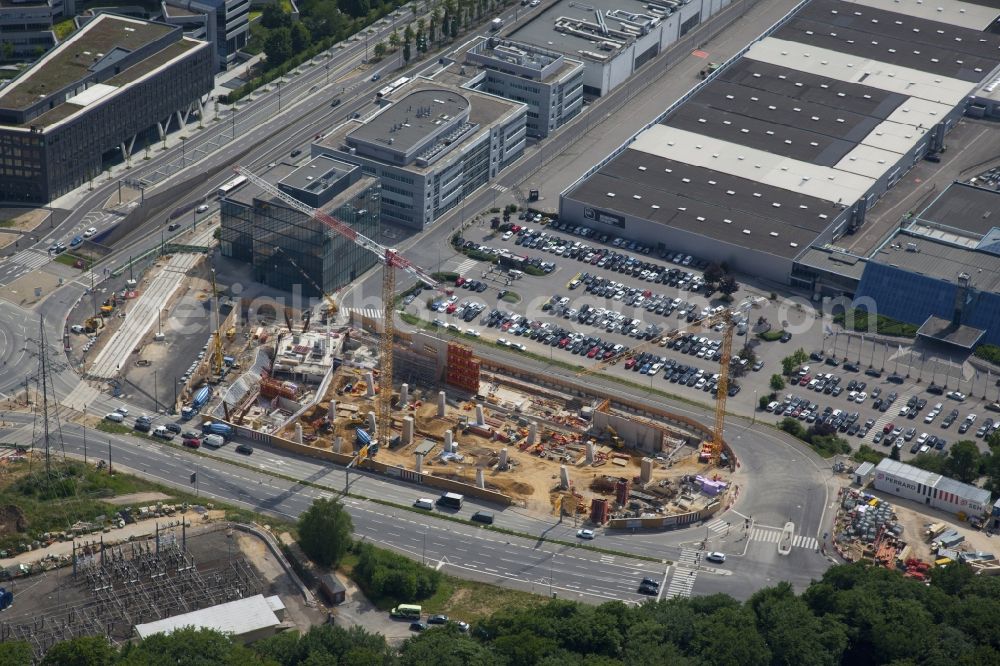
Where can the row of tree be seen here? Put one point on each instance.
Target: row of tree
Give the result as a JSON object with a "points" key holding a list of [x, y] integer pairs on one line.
{"points": [[855, 615]]}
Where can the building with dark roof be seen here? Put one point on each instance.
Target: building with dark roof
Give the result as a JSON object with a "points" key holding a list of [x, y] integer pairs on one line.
{"points": [[784, 149], [282, 243], [430, 145], [87, 101], [941, 271]]}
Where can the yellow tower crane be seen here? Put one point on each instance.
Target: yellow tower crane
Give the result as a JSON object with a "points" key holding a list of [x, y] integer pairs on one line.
{"points": [[391, 260], [216, 363]]}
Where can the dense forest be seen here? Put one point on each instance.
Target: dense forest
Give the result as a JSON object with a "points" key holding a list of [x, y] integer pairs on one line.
{"points": [[856, 615]]}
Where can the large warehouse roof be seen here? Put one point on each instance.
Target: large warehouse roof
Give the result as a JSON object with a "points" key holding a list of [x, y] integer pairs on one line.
{"points": [[967, 208], [943, 261], [825, 107], [240, 617]]}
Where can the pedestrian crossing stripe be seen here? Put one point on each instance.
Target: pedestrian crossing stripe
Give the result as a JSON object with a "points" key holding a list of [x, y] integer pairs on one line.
{"points": [[466, 266], [30, 258], [500, 188], [681, 584], [766, 535], [688, 556], [718, 525], [369, 313]]}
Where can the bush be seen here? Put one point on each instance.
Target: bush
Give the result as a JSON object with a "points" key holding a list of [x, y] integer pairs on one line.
{"points": [[385, 575], [325, 531], [445, 276], [867, 454], [989, 353], [824, 443], [534, 271], [777, 382], [771, 336], [861, 320]]}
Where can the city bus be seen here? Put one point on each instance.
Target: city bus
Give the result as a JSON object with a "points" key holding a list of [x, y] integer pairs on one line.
{"points": [[409, 611], [231, 185]]}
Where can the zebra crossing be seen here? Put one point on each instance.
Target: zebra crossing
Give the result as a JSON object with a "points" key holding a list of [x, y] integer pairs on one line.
{"points": [[718, 525], [499, 188], [90, 278], [607, 559], [368, 313], [82, 395], [30, 258], [466, 266], [773, 535], [683, 579]]}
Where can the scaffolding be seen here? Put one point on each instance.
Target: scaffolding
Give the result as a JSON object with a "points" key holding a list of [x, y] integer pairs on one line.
{"points": [[131, 584]]}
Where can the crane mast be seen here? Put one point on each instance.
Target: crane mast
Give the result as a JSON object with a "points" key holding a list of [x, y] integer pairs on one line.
{"points": [[391, 260]]}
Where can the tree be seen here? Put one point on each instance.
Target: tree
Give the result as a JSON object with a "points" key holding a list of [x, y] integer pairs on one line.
{"points": [[713, 273], [84, 651], [274, 17], [278, 46], [407, 54], [408, 34], [356, 8], [454, 27], [379, 49], [394, 39], [777, 382], [728, 285], [894, 453], [325, 531], [15, 653], [301, 39], [790, 364], [446, 647], [963, 461]]}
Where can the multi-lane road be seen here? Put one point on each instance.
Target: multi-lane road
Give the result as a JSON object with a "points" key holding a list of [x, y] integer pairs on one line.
{"points": [[794, 490]]}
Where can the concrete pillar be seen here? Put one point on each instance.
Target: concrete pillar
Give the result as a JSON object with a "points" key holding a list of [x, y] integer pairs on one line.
{"points": [[532, 434], [563, 477], [441, 403], [590, 453], [370, 383], [407, 438], [371, 424], [480, 480], [480, 418], [331, 411], [338, 444], [161, 129], [448, 443], [298, 433], [419, 465], [404, 395], [646, 470], [503, 459]]}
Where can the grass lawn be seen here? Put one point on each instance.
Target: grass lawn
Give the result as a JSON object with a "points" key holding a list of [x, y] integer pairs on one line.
{"points": [[460, 599], [511, 297]]}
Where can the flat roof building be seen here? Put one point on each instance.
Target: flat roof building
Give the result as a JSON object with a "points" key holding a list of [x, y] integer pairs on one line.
{"points": [[784, 149], [290, 250], [89, 99], [931, 489], [225, 24], [26, 25], [430, 145], [613, 38], [246, 620], [547, 81]]}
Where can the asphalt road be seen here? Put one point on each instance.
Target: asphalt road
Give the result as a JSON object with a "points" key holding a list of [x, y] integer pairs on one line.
{"points": [[787, 492]]}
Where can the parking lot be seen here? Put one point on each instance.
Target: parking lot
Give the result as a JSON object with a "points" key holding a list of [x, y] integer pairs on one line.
{"points": [[604, 296]]}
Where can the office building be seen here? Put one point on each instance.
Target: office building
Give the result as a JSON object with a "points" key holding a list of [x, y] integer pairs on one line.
{"points": [[290, 250], [86, 102], [26, 25], [548, 82], [613, 38], [225, 24], [430, 145], [786, 147]]}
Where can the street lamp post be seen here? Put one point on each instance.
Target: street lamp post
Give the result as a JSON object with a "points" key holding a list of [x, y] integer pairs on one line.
{"points": [[156, 393]]}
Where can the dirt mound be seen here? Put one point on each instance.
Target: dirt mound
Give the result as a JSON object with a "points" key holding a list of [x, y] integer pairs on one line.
{"points": [[12, 520]]}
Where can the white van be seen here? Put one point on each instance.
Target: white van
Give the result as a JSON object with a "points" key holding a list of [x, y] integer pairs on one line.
{"points": [[214, 440], [114, 416], [424, 503]]}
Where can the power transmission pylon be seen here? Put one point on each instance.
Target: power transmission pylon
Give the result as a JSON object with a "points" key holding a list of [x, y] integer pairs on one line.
{"points": [[49, 428]]}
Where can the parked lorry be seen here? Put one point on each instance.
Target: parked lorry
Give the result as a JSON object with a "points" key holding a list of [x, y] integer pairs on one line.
{"points": [[216, 428], [201, 397]]}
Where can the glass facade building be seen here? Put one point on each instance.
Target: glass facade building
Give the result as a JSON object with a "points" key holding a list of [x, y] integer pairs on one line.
{"points": [[282, 243]]}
